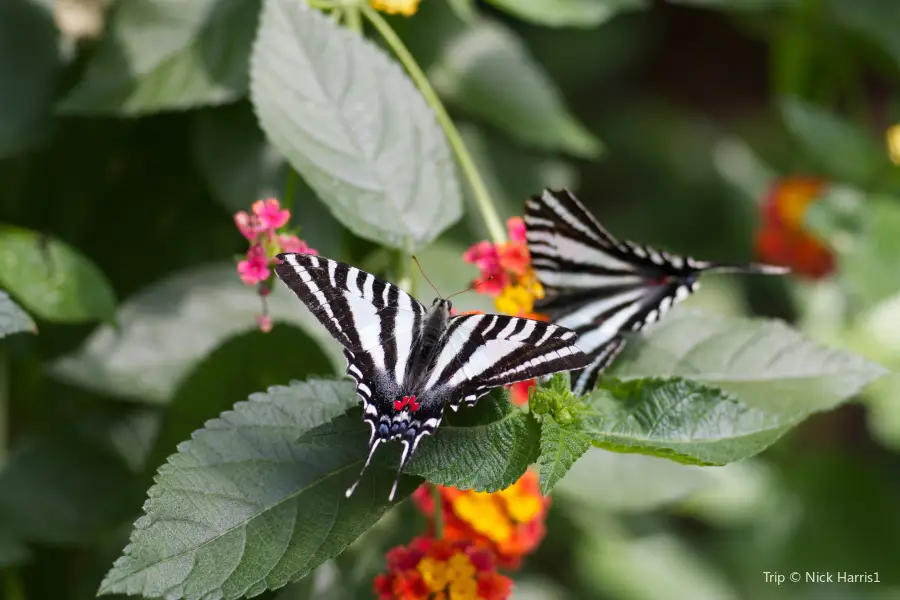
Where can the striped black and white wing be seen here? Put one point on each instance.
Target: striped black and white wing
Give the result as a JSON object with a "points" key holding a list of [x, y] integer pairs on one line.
{"points": [[481, 352], [601, 287]]}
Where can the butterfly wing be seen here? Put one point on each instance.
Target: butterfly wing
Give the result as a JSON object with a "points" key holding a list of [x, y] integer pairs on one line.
{"points": [[481, 352], [601, 287]]}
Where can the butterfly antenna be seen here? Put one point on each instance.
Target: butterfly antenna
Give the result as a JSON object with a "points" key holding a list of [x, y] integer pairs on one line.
{"points": [[372, 447], [474, 287], [434, 287]]}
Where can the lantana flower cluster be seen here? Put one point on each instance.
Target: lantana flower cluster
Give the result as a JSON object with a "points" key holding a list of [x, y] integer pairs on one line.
{"points": [[482, 532], [507, 276], [265, 228], [783, 239]]}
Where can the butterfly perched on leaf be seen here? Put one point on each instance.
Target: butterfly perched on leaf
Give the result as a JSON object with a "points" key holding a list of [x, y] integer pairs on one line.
{"points": [[409, 360], [601, 287]]}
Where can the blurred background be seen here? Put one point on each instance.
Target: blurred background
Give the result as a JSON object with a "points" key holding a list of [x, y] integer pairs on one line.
{"points": [[724, 129]]}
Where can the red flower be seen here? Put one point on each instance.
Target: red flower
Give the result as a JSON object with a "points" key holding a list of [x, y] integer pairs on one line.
{"points": [[509, 522], [783, 240], [431, 569], [518, 392]]}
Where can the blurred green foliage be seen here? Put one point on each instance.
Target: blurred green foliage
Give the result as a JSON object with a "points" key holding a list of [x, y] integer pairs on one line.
{"points": [[131, 131]]}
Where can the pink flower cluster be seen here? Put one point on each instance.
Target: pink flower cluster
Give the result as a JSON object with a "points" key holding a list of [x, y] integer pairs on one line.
{"points": [[263, 228], [500, 263]]}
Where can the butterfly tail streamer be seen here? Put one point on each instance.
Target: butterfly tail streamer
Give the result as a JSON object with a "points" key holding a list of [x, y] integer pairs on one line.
{"points": [[373, 445], [752, 268]]}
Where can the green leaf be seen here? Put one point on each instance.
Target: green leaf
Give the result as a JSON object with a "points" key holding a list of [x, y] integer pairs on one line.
{"points": [[568, 13], [632, 483], [168, 328], [241, 166], [763, 363], [841, 148], [168, 55], [485, 448], [12, 318], [679, 419], [52, 279], [29, 66], [739, 5], [488, 72], [242, 365], [869, 262], [354, 126], [561, 446], [63, 490], [874, 19], [250, 503]]}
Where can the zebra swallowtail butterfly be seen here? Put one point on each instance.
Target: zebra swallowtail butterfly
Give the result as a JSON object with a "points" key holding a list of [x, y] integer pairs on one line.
{"points": [[409, 360], [602, 288]]}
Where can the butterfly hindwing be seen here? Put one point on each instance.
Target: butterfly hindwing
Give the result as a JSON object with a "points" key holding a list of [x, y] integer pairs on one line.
{"points": [[408, 361], [601, 287]]}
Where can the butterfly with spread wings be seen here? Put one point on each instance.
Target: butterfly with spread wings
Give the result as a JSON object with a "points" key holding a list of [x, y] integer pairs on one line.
{"points": [[409, 360], [601, 287]]}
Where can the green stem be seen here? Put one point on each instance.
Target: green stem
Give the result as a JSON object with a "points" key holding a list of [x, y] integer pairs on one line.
{"points": [[12, 585], [404, 273], [290, 186], [323, 4], [479, 189], [354, 19], [438, 512]]}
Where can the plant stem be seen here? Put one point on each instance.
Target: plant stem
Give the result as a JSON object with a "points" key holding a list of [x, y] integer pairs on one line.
{"points": [[290, 186], [438, 512], [479, 189], [12, 585], [325, 4], [354, 20], [4, 405], [404, 273]]}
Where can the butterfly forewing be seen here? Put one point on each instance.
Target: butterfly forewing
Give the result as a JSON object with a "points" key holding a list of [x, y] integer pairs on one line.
{"points": [[408, 361], [600, 287]]}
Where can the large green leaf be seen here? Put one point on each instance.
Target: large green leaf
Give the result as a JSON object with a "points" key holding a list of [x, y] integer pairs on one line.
{"points": [[354, 126], [12, 318], [485, 448], [844, 150], [166, 55], [679, 419], [63, 490], [488, 72], [241, 166], [245, 363], [172, 325], [567, 13], [561, 446], [29, 65], [51, 279], [763, 363], [251, 503]]}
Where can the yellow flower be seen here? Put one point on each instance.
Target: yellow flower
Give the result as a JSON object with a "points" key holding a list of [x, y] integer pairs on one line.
{"points": [[464, 589], [484, 515], [434, 573], [515, 300], [893, 143], [407, 8]]}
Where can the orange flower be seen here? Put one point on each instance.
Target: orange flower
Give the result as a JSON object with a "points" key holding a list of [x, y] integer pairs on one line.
{"points": [[509, 522], [783, 240], [445, 569]]}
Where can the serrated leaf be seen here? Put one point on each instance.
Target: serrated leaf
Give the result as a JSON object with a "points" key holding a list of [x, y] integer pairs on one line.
{"points": [[487, 71], [168, 55], [168, 328], [29, 67], [561, 446], [567, 13], [354, 126], [250, 503], [844, 150], [12, 318], [63, 490], [679, 419], [241, 166], [51, 279], [485, 448], [761, 362]]}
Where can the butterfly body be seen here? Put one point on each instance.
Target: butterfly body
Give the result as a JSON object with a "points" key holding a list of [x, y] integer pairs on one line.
{"points": [[409, 361], [601, 287]]}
